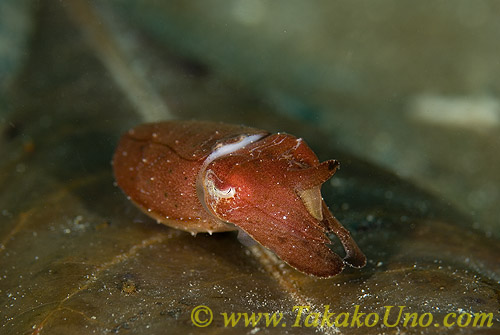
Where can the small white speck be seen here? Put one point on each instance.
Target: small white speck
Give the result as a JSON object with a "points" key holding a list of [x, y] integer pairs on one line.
{"points": [[20, 168]]}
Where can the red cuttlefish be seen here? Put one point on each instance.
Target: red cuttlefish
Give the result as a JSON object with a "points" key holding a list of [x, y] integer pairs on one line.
{"points": [[212, 177]]}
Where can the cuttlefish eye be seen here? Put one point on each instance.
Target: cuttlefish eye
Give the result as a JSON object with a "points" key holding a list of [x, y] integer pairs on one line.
{"points": [[216, 189]]}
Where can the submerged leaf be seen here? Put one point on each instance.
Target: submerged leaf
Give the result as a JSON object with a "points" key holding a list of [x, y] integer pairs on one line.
{"points": [[76, 257]]}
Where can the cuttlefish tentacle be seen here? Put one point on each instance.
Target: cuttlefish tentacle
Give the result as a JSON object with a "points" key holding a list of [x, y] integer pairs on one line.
{"points": [[354, 256]]}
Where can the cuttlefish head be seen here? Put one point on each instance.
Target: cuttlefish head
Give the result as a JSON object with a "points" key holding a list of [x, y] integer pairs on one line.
{"points": [[271, 189]]}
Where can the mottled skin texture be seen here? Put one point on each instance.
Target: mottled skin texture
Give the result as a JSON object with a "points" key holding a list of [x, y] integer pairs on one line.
{"points": [[267, 185]]}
